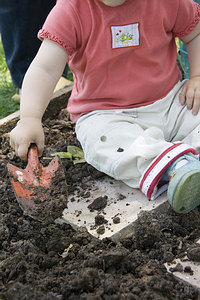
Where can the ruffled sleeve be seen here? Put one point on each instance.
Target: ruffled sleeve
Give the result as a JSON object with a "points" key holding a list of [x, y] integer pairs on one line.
{"points": [[61, 27], [187, 18]]}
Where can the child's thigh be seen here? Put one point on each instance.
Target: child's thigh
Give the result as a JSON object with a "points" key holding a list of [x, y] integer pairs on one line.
{"points": [[106, 129], [181, 123], [116, 145]]}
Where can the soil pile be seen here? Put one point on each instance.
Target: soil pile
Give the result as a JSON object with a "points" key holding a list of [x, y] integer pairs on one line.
{"points": [[44, 260]]}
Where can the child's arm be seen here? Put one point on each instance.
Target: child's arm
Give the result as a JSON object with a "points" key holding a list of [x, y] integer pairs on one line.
{"points": [[190, 94], [37, 89]]}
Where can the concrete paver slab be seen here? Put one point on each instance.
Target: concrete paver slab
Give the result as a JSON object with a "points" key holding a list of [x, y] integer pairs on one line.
{"points": [[122, 206], [190, 272], [186, 270]]}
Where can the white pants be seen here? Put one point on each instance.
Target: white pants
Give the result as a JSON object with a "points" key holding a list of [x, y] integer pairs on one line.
{"points": [[137, 145]]}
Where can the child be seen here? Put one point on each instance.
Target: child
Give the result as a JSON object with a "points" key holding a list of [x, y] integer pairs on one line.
{"points": [[135, 119]]}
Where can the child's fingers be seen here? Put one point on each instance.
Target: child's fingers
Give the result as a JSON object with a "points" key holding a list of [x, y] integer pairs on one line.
{"points": [[182, 95], [190, 95], [196, 102], [22, 151], [40, 146], [190, 98]]}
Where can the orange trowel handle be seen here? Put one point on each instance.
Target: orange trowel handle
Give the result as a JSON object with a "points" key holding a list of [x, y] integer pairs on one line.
{"points": [[33, 165]]}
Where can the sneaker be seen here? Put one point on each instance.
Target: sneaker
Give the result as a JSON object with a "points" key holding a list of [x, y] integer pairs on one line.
{"points": [[16, 97], [184, 186]]}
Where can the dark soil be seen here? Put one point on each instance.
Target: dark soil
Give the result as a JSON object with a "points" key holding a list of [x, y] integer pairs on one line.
{"points": [[44, 260]]}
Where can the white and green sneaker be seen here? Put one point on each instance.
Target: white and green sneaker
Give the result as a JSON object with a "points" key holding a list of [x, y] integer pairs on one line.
{"points": [[184, 185]]}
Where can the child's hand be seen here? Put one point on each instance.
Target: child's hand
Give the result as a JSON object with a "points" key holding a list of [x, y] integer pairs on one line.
{"points": [[28, 131], [190, 94]]}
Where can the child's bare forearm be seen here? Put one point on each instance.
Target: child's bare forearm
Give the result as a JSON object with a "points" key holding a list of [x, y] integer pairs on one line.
{"points": [[40, 80], [37, 89], [190, 94], [38, 85]]}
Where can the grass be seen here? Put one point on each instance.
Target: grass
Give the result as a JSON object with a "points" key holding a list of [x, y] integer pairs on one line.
{"points": [[7, 89]]}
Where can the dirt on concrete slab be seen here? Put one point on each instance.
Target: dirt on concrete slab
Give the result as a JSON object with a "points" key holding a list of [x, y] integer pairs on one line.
{"points": [[45, 260]]}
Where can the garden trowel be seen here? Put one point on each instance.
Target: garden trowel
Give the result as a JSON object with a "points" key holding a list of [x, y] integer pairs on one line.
{"points": [[38, 189]]}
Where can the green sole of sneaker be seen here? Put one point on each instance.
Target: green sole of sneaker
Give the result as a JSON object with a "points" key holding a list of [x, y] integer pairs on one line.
{"points": [[187, 194]]}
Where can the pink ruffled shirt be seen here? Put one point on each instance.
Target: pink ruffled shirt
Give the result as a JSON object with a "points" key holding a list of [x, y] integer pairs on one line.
{"points": [[121, 57]]}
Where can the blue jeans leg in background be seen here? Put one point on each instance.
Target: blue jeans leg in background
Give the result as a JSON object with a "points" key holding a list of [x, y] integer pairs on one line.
{"points": [[20, 21]]}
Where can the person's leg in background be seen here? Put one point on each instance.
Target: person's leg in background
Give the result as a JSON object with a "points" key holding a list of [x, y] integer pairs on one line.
{"points": [[20, 21]]}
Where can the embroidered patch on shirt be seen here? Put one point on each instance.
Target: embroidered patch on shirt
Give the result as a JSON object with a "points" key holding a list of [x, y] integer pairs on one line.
{"points": [[125, 36]]}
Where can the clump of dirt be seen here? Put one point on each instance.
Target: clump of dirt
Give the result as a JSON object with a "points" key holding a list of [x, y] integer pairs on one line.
{"points": [[116, 220], [100, 220], [193, 252], [51, 261], [98, 203]]}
